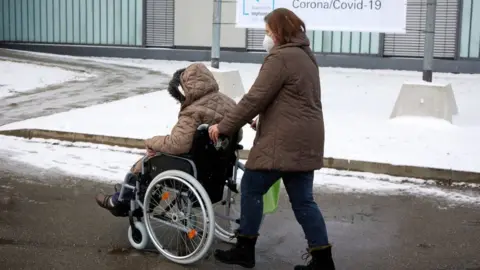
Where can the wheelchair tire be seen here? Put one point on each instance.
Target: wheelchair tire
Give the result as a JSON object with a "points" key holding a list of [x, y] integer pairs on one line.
{"points": [[138, 236], [205, 205]]}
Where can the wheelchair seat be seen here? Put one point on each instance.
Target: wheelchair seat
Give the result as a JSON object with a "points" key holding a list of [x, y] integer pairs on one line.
{"points": [[210, 164]]}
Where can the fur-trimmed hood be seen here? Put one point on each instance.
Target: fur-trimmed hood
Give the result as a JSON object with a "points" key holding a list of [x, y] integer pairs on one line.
{"points": [[191, 83]]}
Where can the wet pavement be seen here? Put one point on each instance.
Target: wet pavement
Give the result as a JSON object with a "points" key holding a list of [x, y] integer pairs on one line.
{"points": [[50, 221], [111, 82]]}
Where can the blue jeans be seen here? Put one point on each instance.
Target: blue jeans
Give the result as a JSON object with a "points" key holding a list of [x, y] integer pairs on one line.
{"points": [[299, 186]]}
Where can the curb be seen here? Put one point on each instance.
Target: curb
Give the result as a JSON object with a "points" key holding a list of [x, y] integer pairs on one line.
{"points": [[445, 176]]}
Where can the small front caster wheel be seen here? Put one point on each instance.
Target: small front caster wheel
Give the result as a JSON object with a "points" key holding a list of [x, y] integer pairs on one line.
{"points": [[138, 236]]}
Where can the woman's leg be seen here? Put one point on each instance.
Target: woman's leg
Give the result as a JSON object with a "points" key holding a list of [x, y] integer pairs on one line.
{"points": [[254, 185], [299, 186]]}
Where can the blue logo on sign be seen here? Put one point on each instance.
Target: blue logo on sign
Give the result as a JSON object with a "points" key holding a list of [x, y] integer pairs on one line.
{"points": [[258, 1]]}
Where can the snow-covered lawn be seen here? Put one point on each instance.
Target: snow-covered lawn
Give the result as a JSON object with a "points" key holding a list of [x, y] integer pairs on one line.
{"points": [[109, 164], [18, 78], [357, 104]]}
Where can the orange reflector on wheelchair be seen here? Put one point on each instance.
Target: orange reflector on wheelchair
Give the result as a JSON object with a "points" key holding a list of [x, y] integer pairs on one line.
{"points": [[191, 234], [165, 196]]}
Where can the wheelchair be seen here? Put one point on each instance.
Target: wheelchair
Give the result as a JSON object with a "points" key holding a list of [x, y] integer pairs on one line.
{"points": [[187, 197]]}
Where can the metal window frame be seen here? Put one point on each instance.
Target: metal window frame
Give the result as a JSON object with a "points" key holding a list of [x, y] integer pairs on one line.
{"points": [[144, 23], [459, 29], [456, 46], [469, 34], [46, 36], [145, 28], [381, 45]]}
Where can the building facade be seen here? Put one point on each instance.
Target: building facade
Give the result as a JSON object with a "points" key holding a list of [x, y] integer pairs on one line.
{"points": [[144, 28]]}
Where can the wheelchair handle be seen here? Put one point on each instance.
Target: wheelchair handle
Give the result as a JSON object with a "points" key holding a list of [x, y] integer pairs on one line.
{"points": [[222, 142]]}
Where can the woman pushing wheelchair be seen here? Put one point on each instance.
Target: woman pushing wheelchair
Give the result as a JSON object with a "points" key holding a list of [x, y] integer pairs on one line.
{"points": [[200, 102], [289, 143]]}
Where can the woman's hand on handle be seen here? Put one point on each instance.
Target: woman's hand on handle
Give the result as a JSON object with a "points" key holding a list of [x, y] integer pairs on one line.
{"points": [[213, 133]]}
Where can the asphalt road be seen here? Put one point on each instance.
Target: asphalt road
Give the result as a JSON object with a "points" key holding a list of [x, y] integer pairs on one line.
{"points": [[111, 82], [50, 221]]}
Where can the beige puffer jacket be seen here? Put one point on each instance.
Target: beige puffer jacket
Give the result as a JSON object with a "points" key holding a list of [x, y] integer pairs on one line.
{"points": [[202, 103]]}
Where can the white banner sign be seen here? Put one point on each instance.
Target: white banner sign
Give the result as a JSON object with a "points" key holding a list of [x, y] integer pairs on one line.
{"points": [[383, 16]]}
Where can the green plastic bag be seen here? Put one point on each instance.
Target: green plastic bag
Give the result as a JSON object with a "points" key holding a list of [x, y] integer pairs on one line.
{"points": [[270, 199]]}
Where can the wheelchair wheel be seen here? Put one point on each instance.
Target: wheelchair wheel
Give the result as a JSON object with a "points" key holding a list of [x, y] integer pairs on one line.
{"points": [[229, 207], [181, 223], [138, 236]]}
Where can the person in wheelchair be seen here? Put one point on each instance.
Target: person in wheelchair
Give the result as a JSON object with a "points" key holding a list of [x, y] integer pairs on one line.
{"points": [[201, 103]]}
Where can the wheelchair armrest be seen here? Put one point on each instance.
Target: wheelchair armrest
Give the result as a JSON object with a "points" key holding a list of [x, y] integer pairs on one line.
{"points": [[186, 155], [147, 158]]}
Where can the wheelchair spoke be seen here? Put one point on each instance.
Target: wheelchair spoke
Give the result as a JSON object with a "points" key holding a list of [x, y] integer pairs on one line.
{"points": [[152, 209], [163, 231], [186, 229]]}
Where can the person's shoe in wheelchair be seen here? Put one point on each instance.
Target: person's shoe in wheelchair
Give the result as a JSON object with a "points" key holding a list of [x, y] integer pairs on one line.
{"points": [[321, 259], [243, 253], [108, 202]]}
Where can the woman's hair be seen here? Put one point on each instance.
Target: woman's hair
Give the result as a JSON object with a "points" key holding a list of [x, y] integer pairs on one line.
{"points": [[284, 24]]}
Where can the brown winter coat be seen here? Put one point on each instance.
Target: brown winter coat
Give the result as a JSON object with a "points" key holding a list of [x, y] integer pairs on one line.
{"points": [[287, 96], [202, 103]]}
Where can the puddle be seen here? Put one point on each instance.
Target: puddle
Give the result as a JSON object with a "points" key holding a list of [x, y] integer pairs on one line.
{"points": [[132, 252], [425, 245], [4, 242], [119, 251]]}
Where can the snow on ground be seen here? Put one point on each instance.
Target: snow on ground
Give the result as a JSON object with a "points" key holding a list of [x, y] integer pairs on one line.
{"points": [[110, 164], [18, 78], [92, 161], [357, 105]]}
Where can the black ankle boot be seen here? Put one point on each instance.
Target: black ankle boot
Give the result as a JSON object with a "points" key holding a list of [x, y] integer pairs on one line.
{"points": [[321, 259], [118, 209], [242, 254]]}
